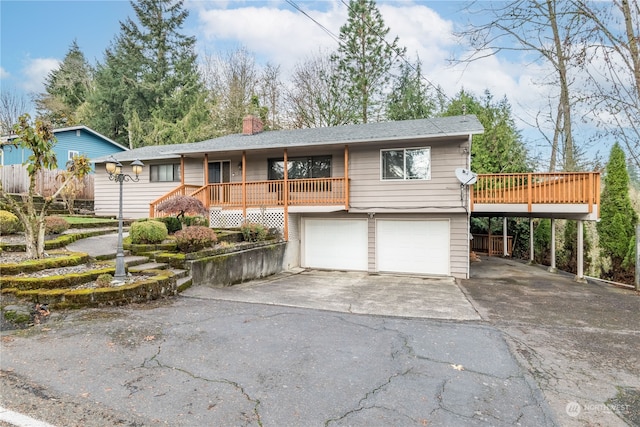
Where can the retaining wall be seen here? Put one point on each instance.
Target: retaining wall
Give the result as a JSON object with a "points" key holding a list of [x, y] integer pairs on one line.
{"points": [[237, 267]]}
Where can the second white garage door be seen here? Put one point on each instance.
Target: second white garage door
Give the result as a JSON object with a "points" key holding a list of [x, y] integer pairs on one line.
{"points": [[413, 246], [335, 244]]}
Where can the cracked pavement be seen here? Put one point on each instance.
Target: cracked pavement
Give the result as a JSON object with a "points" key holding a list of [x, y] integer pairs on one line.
{"points": [[192, 361], [513, 345]]}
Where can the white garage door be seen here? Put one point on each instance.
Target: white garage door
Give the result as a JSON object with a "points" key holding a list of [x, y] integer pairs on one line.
{"points": [[413, 246], [335, 244]]}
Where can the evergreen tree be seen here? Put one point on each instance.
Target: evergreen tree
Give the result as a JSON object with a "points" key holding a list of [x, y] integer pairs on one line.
{"points": [[66, 89], [150, 80], [365, 58], [409, 97], [617, 216], [500, 149]]}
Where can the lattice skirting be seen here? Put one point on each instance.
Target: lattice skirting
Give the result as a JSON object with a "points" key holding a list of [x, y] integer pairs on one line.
{"points": [[271, 218]]}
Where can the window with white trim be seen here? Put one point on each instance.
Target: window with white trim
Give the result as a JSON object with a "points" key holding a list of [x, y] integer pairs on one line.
{"points": [[165, 173], [405, 164], [71, 154]]}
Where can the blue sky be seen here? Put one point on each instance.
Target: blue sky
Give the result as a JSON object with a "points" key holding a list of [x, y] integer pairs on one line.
{"points": [[36, 35]]}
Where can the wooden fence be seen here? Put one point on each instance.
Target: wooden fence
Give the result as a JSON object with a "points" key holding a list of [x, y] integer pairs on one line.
{"points": [[15, 179]]}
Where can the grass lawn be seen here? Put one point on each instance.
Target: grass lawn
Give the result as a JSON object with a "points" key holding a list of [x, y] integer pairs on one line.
{"points": [[87, 220]]}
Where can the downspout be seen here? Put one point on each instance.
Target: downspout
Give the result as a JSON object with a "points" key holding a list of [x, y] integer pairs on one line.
{"points": [[207, 194], [181, 169], [346, 178], [286, 198]]}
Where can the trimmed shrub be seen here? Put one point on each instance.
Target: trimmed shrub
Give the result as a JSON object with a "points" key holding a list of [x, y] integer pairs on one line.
{"points": [[151, 231], [195, 220], [9, 223], [195, 238], [104, 280], [55, 225], [173, 224], [254, 232]]}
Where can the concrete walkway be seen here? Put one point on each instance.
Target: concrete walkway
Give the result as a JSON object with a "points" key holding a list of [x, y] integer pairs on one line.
{"points": [[97, 246]]}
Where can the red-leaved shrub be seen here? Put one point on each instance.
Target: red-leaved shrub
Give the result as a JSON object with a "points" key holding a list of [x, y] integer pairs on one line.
{"points": [[195, 238]]}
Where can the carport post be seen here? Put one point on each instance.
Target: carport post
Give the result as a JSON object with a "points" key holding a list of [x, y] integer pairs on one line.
{"points": [[580, 260], [505, 252], [638, 257], [531, 257], [553, 268]]}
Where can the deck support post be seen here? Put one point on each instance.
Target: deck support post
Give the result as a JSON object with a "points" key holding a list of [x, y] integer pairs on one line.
{"points": [[531, 246], [286, 197], [505, 248], [489, 248], [552, 268], [580, 256]]}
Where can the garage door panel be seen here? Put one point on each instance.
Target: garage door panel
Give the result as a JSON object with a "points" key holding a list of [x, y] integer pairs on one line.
{"points": [[413, 246], [339, 244]]}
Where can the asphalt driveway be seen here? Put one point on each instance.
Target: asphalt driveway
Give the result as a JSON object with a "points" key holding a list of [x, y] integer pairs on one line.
{"points": [[513, 345], [580, 341]]}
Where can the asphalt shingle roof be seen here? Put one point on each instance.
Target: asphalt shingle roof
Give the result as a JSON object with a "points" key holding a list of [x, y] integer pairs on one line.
{"points": [[347, 134]]}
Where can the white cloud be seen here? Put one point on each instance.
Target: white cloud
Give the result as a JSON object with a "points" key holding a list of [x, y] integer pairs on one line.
{"points": [[279, 36], [35, 72], [4, 74]]}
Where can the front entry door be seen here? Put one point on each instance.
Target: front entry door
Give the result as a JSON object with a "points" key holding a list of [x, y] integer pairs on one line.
{"points": [[219, 173]]}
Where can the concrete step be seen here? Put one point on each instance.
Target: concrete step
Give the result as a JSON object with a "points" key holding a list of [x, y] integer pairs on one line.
{"points": [[179, 273], [149, 266], [133, 260], [184, 283]]}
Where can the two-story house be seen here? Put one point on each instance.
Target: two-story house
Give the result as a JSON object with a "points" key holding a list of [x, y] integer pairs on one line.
{"points": [[376, 197]]}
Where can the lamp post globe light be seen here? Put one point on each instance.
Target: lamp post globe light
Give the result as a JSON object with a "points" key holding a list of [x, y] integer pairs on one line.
{"points": [[114, 169]]}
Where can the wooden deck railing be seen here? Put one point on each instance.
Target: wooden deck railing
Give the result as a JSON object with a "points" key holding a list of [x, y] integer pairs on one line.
{"points": [[532, 188], [491, 245], [263, 194], [301, 192], [181, 190]]}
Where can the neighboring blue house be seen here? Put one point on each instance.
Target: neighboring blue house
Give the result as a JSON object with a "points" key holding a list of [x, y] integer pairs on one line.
{"points": [[75, 140]]}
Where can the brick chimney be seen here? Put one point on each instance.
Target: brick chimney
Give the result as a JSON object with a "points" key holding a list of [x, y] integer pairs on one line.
{"points": [[251, 125]]}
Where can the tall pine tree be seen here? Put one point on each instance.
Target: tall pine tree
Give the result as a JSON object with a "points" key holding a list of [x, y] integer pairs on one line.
{"points": [[66, 89], [149, 91], [409, 97], [365, 58]]}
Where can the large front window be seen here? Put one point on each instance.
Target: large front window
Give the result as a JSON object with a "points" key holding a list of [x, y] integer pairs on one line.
{"points": [[406, 163], [301, 167]]}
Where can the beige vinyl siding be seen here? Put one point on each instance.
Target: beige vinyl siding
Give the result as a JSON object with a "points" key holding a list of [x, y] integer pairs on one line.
{"points": [[137, 196], [441, 193]]}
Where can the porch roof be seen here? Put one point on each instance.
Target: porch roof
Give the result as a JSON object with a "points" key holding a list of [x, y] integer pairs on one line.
{"points": [[337, 135]]}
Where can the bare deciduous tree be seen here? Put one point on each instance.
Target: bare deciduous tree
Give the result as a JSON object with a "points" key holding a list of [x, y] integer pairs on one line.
{"points": [[12, 106], [551, 32], [232, 84], [315, 97], [613, 68]]}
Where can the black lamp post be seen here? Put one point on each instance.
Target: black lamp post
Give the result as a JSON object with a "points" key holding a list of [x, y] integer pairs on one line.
{"points": [[114, 169]]}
